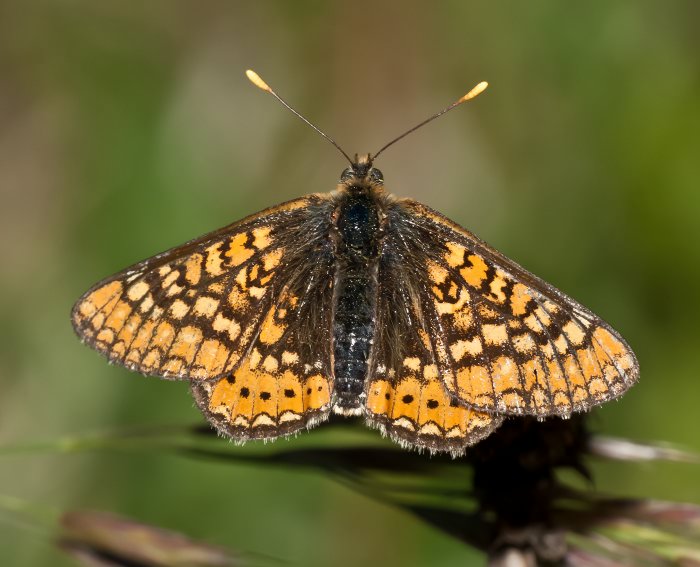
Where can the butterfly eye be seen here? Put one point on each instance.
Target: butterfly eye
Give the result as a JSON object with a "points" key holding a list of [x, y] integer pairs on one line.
{"points": [[347, 174], [376, 175]]}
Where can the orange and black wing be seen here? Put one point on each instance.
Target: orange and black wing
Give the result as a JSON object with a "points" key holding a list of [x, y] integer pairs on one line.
{"points": [[284, 382], [505, 341], [405, 395], [243, 312], [193, 312]]}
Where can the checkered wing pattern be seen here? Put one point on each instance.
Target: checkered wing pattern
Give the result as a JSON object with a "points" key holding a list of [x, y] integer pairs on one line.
{"points": [[284, 382], [244, 313], [505, 342], [405, 395]]}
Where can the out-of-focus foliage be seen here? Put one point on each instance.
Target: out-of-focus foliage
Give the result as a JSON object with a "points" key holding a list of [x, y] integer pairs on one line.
{"points": [[518, 509], [127, 128], [104, 540]]}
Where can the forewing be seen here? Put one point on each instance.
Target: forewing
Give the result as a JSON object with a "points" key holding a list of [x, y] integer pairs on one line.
{"points": [[506, 341], [192, 312], [405, 396], [284, 382]]}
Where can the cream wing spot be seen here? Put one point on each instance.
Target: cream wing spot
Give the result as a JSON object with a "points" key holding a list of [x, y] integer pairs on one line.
{"points": [[263, 420], [272, 259], [214, 262], [494, 334], [179, 309], [261, 237], [223, 325], [257, 292], [254, 359], [533, 323], [455, 255], [520, 299], [169, 279], [524, 344], [146, 304], [461, 348], [242, 278], [205, 306], [106, 336], [430, 371], [560, 344], [543, 316], [137, 291], [193, 269], [216, 288], [87, 309], [174, 290], [289, 358], [270, 364]]}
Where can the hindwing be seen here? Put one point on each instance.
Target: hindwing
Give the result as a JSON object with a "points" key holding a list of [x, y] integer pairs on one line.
{"points": [[405, 394], [284, 382]]}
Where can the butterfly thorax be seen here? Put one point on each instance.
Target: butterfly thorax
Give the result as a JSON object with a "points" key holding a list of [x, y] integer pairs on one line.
{"points": [[357, 238]]}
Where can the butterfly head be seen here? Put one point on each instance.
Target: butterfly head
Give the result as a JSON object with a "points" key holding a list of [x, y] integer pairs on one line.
{"points": [[362, 174]]}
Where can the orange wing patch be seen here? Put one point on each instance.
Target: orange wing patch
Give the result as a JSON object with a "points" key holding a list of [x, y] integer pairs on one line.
{"points": [[509, 343], [417, 411], [273, 391], [252, 403]]}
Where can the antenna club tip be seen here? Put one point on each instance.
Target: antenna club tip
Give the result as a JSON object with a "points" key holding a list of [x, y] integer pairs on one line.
{"points": [[254, 78], [476, 91]]}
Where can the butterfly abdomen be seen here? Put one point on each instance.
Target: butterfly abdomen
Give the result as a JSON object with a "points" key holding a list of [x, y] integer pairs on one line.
{"points": [[357, 240]]}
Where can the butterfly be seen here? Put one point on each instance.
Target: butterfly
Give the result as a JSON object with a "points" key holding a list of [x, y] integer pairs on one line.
{"points": [[358, 303]]}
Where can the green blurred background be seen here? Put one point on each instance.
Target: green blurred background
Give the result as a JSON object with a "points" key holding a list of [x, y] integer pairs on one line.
{"points": [[129, 127]]}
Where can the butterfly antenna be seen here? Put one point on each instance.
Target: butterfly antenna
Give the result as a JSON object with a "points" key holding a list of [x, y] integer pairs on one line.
{"points": [[476, 91], [254, 78]]}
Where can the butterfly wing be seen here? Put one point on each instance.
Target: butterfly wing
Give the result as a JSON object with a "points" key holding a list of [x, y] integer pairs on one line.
{"points": [[244, 312], [405, 396], [284, 382], [194, 311], [506, 341]]}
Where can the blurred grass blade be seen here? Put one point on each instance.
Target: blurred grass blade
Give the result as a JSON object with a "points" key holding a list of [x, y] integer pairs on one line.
{"points": [[625, 450], [635, 532], [101, 539], [27, 515]]}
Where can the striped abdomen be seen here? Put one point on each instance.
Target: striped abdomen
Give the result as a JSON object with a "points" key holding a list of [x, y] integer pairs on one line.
{"points": [[357, 247]]}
